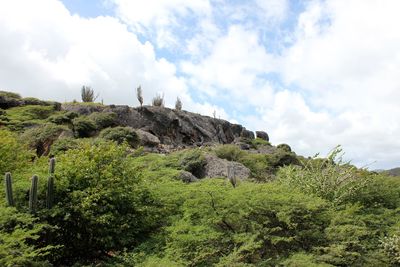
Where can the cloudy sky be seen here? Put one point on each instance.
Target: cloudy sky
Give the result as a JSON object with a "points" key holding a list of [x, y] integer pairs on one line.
{"points": [[313, 74]]}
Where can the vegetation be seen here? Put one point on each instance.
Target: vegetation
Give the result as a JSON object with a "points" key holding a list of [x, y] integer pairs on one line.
{"points": [[87, 94], [139, 95], [158, 101], [108, 202], [178, 104]]}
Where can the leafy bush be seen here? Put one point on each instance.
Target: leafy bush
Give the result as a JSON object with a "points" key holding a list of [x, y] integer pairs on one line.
{"points": [[42, 137], [104, 119], [331, 179], [229, 152], [63, 144], [284, 147], [101, 203], [250, 224], [30, 112], [84, 127], [13, 154], [391, 246], [10, 94], [19, 234], [121, 134], [63, 117], [193, 161]]}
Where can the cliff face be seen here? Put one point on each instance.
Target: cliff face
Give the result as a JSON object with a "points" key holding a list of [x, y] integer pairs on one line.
{"points": [[171, 126]]}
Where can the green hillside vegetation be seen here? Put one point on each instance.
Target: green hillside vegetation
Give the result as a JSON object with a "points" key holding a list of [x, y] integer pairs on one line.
{"points": [[114, 204]]}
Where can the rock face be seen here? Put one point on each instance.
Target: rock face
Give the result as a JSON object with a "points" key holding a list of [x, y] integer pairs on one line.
{"points": [[217, 167], [173, 127], [263, 135]]}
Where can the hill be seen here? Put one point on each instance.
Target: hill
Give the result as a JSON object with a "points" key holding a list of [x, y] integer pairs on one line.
{"points": [[93, 185]]}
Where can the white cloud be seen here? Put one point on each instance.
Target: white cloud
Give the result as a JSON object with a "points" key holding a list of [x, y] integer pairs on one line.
{"points": [[44, 51]]}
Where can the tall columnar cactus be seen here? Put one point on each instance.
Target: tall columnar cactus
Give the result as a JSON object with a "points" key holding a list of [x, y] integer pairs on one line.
{"points": [[231, 175], [50, 184], [33, 194], [9, 192]]}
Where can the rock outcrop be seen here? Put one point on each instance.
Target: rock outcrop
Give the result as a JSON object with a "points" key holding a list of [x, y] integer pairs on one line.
{"points": [[263, 135], [172, 127], [217, 167]]}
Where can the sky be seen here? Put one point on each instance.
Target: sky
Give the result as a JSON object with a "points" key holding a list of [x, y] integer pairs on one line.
{"points": [[313, 74]]}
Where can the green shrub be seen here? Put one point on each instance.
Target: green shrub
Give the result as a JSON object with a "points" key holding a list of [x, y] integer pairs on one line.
{"points": [[121, 134], [250, 224], [64, 144], [101, 204], [30, 112], [19, 244], [84, 127], [10, 94], [13, 154], [104, 119], [257, 142], [391, 246], [42, 137], [193, 161], [65, 117], [284, 147], [331, 179], [229, 152]]}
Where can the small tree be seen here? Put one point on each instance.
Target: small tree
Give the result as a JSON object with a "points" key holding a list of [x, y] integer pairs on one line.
{"points": [[87, 94], [139, 95], [158, 101], [178, 104]]}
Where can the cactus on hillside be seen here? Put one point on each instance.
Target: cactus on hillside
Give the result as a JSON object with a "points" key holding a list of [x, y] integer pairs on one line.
{"points": [[9, 192], [33, 197], [231, 175], [50, 184]]}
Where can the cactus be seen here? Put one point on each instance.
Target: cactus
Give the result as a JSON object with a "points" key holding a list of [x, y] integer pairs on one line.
{"points": [[9, 192], [33, 197], [231, 175], [50, 184]]}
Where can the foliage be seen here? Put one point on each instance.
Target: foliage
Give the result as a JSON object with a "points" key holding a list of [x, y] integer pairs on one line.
{"points": [[257, 142], [30, 112], [13, 154], [40, 138], [101, 203], [103, 119], [19, 234], [10, 94], [158, 101], [63, 117], [331, 179], [178, 104], [139, 95], [192, 161], [84, 127], [121, 134], [222, 226], [63, 144], [284, 147], [229, 152], [391, 246], [87, 94]]}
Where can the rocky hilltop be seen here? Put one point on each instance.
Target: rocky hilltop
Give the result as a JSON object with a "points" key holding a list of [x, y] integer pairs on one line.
{"points": [[170, 126]]}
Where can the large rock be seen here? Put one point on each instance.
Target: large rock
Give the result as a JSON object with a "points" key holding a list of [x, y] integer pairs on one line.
{"points": [[147, 139], [170, 126], [216, 167], [263, 135], [187, 177]]}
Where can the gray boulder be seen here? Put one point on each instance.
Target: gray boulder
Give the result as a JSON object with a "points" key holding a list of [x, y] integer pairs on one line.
{"points": [[187, 177], [263, 135], [147, 139], [216, 167]]}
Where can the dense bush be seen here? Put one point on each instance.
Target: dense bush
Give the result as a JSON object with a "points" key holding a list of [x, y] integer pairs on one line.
{"points": [[101, 203], [41, 138], [84, 127], [331, 179], [19, 233], [104, 119], [13, 154], [65, 117], [30, 112], [229, 152], [120, 135], [193, 161]]}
